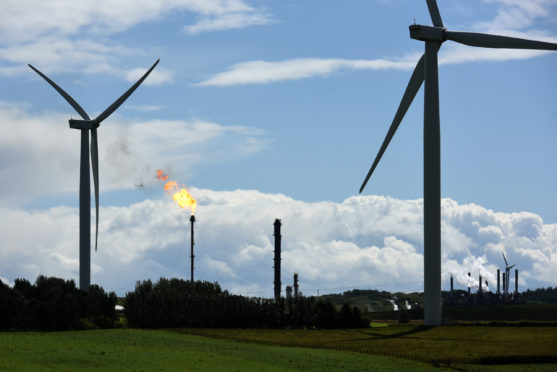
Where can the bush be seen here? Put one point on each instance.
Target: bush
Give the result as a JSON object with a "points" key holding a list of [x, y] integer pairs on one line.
{"points": [[403, 316]]}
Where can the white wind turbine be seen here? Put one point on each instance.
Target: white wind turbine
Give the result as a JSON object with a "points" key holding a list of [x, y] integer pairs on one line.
{"points": [[85, 126], [507, 274], [426, 70]]}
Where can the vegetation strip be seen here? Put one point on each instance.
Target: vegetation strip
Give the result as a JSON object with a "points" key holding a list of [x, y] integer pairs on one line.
{"points": [[447, 345]]}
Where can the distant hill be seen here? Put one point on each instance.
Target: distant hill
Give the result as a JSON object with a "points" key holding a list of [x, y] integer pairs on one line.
{"points": [[541, 295], [371, 300]]}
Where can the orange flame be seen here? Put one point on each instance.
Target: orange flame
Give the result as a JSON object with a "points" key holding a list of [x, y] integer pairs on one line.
{"points": [[180, 195], [161, 176]]}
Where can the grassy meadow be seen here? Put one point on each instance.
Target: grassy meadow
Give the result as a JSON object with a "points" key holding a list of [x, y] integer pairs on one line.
{"points": [[167, 350], [386, 348], [445, 346]]}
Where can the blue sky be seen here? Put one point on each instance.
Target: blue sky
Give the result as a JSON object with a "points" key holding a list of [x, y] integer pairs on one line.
{"points": [[286, 99]]}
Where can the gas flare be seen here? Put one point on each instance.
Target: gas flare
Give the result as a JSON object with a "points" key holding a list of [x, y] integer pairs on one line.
{"points": [[161, 176], [179, 193]]}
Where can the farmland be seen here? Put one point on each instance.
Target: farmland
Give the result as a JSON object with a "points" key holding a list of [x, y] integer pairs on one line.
{"points": [[397, 347], [447, 345], [159, 350]]}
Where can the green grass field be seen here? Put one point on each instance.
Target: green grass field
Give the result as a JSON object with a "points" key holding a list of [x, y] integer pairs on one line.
{"points": [[146, 350], [447, 345], [391, 348]]}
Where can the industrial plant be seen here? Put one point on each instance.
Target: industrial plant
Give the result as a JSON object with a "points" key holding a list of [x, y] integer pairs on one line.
{"points": [[484, 296]]}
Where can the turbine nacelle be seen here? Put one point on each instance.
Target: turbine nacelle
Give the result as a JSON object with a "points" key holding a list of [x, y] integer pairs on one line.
{"points": [[83, 124], [427, 33]]}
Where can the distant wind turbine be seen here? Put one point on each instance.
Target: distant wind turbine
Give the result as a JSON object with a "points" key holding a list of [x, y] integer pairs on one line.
{"points": [[426, 70], [85, 126], [507, 274]]}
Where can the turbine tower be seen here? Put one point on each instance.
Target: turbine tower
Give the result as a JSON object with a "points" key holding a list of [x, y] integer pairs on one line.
{"points": [[427, 70], [85, 126], [507, 274]]}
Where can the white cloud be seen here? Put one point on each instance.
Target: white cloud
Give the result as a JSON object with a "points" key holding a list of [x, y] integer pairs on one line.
{"points": [[55, 55], [40, 154], [6, 281], [513, 18], [261, 72], [67, 36], [59, 55], [229, 21], [24, 20], [516, 14], [264, 72], [144, 107], [157, 77], [365, 241]]}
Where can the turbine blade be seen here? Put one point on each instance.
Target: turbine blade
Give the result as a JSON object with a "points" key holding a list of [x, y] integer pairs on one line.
{"points": [[106, 113], [505, 258], [512, 266], [496, 41], [411, 90], [95, 166], [66, 96], [434, 13]]}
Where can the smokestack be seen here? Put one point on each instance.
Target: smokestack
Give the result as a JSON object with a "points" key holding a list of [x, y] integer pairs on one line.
{"points": [[480, 290], [296, 293], [516, 282], [288, 292], [498, 281], [504, 284], [277, 259], [192, 220], [469, 284], [451, 283]]}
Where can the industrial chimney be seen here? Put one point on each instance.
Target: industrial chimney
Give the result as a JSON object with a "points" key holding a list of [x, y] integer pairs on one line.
{"points": [[451, 284], [192, 220], [296, 293], [277, 259], [480, 290], [504, 284], [469, 284], [516, 282], [498, 281], [288, 292]]}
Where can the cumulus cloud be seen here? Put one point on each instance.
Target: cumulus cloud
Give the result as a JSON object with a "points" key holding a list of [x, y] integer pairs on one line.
{"points": [[41, 155], [362, 242]]}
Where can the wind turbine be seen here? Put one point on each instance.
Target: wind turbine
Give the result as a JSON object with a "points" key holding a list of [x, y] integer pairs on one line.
{"points": [[85, 126], [507, 274], [427, 70]]}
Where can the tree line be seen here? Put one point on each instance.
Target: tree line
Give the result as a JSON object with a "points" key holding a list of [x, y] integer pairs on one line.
{"points": [[541, 295], [173, 303], [54, 304]]}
